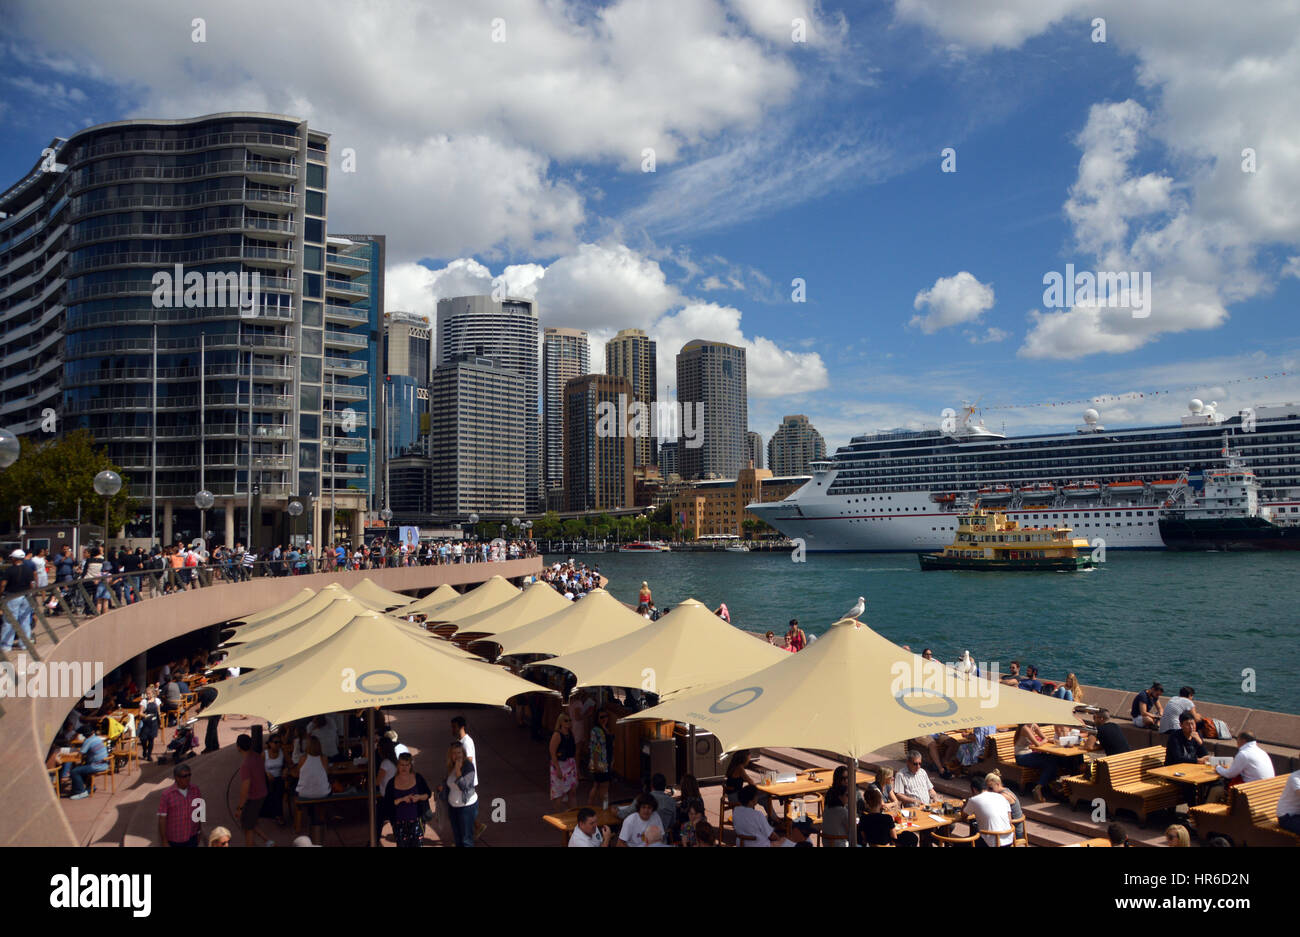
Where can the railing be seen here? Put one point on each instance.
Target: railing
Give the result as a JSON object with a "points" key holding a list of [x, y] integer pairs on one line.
{"points": [[233, 252], [89, 320], [85, 235], [143, 287], [342, 260], [188, 144], [345, 339], [85, 178], [345, 364], [347, 286], [346, 312], [82, 207]]}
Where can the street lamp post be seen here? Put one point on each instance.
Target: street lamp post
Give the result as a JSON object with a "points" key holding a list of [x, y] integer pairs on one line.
{"points": [[203, 500], [9, 448], [473, 525], [107, 483], [294, 510]]}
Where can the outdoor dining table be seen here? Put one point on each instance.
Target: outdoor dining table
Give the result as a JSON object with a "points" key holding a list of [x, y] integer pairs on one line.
{"points": [[924, 819], [816, 781], [1195, 775], [567, 821], [1095, 841]]}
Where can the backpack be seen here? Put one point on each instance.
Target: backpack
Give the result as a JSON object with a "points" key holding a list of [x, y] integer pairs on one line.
{"points": [[191, 559]]}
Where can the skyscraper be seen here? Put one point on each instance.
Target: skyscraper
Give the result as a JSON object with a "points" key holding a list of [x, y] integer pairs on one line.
{"points": [[754, 449], [168, 286], [794, 446], [477, 438], [597, 454], [565, 355], [505, 331], [631, 354], [408, 346], [712, 387]]}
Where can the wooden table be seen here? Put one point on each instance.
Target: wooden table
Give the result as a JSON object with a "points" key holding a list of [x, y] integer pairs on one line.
{"points": [[567, 821], [1061, 751], [803, 784], [1095, 841], [1195, 775], [920, 820]]}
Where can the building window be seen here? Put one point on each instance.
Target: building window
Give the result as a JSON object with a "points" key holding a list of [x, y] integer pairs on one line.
{"points": [[316, 203]]}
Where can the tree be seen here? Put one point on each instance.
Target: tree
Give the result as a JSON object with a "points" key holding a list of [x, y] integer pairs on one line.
{"points": [[51, 476]]}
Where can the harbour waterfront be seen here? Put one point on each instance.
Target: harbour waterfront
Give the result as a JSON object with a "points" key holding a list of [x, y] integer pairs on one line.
{"points": [[1196, 619]]}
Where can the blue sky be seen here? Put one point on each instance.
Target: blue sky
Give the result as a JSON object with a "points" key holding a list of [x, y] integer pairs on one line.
{"points": [[775, 160]]}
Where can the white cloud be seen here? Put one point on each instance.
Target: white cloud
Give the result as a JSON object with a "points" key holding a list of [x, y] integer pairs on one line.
{"points": [[987, 24], [608, 286], [774, 20], [951, 301], [990, 334]]}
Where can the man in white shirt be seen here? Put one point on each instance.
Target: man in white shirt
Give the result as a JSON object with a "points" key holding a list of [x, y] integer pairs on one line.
{"points": [[460, 733], [635, 825], [991, 811], [1251, 762], [750, 821], [912, 784], [1288, 805], [1174, 709], [587, 833], [322, 729]]}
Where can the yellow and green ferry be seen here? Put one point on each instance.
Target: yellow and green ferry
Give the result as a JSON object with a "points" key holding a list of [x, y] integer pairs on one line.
{"points": [[987, 540]]}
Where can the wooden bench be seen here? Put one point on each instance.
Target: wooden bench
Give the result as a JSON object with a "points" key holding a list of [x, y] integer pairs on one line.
{"points": [[1120, 780], [299, 803], [1247, 816], [1006, 765]]}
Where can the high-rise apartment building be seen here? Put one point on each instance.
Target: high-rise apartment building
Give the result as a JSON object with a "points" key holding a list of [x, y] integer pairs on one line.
{"points": [[597, 455], [631, 354], [712, 391], [794, 446], [166, 284], [478, 438], [668, 464], [754, 449], [408, 346], [565, 355], [507, 332]]}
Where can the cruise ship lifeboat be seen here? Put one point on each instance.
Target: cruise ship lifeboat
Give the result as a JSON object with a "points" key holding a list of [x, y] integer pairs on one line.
{"points": [[1040, 488], [1165, 484], [1125, 486], [1082, 490], [995, 493], [944, 497]]}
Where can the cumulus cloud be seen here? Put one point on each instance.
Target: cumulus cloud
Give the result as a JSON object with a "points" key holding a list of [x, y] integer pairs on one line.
{"points": [[951, 301], [774, 20], [1005, 23]]}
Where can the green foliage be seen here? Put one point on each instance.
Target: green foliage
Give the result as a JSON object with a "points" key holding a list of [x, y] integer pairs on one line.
{"points": [[51, 476]]}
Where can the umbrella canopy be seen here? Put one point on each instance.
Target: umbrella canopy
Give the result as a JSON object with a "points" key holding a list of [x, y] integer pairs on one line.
{"points": [[285, 606], [853, 692], [594, 619], [378, 595], [490, 594], [688, 647], [313, 606], [297, 637], [371, 661], [536, 601], [440, 596]]}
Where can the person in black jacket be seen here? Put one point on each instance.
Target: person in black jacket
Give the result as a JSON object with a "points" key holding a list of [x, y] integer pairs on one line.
{"points": [[1110, 737], [1185, 746], [405, 799]]}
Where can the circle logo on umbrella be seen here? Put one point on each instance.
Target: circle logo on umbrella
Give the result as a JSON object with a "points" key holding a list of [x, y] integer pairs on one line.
{"points": [[736, 700], [381, 682], [923, 702]]}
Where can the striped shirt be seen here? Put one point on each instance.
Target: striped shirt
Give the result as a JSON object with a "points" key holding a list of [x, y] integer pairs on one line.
{"points": [[249, 559]]}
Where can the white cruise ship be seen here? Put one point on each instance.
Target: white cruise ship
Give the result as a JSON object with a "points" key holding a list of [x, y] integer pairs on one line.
{"points": [[902, 490]]}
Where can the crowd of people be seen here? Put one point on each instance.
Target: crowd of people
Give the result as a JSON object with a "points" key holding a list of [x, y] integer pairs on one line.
{"points": [[572, 579]]}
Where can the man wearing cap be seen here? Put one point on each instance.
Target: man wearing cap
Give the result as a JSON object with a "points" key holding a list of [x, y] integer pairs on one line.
{"points": [[177, 825], [16, 579]]}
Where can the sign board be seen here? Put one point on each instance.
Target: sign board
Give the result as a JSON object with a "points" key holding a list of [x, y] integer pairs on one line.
{"points": [[409, 537]]}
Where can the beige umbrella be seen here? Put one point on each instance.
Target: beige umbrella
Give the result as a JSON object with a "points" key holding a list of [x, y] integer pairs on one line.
{"points": [[440, 596], [371, 661], [536, 601], [313, 606], [285, 606], [688, 647], [596, 618], [852, 692], [302, 635], [496, 591], [378, 595]]}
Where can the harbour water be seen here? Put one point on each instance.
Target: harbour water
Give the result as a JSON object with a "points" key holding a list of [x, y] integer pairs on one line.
{"points": [[1200, 619]]}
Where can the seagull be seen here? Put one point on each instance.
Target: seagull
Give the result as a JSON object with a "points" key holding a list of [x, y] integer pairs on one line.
{"points": [[856, 611]]}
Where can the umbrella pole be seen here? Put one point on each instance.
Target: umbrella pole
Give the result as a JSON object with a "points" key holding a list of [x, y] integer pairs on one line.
{"points": [[690, 752], [852, 805], [370, 771]]}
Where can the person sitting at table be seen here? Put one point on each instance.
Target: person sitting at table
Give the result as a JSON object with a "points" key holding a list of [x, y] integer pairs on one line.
{"points": [[884, 786], [94, 760], [791, 833], [990, 811], [1185, 746], [405, 798], [171, 696], [1049, 766], [738, 776], [912, 786], [323, 731], [970, 753], [840, 783], [1117, 835], [875, 827], [835, 818], [635, 824], [1109, 737], [936, 746], [1288, 804], [1251, 763], [749, 821], [1146, 710], [654, 836], [587, 833], [688, 830], [1176, 835], [667, 806]]}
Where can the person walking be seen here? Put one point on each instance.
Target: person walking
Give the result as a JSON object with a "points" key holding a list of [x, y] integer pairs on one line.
{"points": [[17, 579], [177, 809], [252, 791], [405, 798], [150, 722], [564, 765]]}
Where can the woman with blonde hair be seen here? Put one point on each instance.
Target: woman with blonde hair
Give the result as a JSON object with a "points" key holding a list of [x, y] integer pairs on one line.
{"points": [[884, 783], [220, 836], [643, 597], [1070, 690], [564, 765], [458, 795], [1177, 835]]}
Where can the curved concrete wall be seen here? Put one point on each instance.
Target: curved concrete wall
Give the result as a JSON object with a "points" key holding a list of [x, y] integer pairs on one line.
{"points": [[32, 815]]}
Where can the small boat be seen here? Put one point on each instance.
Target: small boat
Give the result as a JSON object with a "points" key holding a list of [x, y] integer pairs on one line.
{"points": [[1039, 488], [995, 493], [1082, 490], [1125, 486], [737, 548], [946, 497], [988, 541], [644, 546], [1164, 484]]}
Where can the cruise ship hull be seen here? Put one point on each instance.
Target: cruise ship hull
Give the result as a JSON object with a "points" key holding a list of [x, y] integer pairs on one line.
{"points": [[1236, 533]]}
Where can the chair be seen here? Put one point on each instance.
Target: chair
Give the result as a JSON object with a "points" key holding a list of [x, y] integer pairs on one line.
{"points": [[1022, 837], [128, 749], [949, 841], [742, 838], [54, 779], [833, 839], [814, 806], [110, 772]]}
